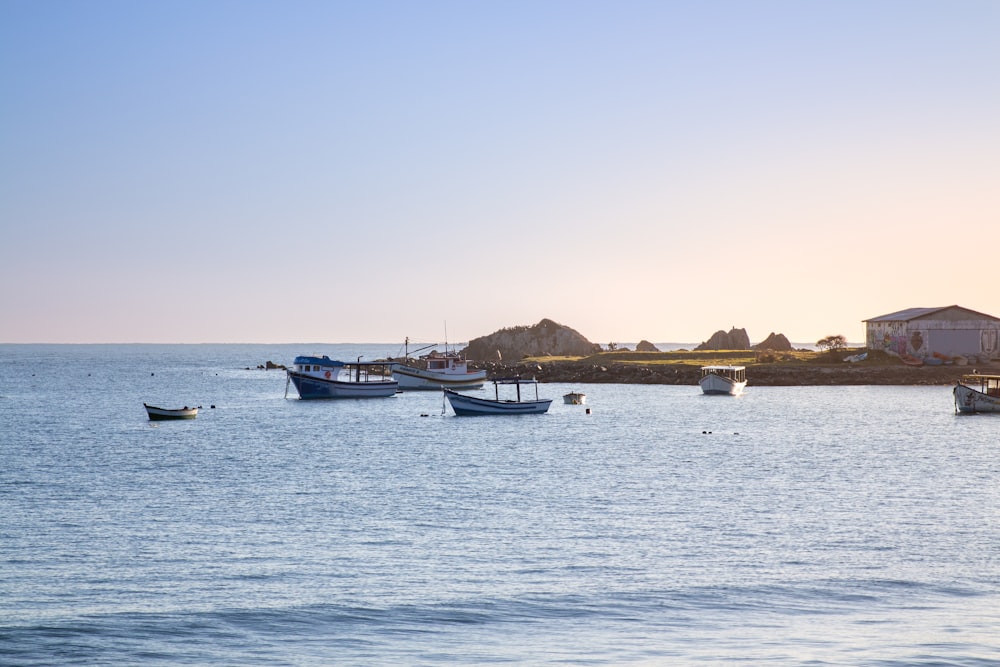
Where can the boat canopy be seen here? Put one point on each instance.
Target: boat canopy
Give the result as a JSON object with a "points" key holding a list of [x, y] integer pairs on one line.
{"points": [[987, 384], [318, 361], [735, 373], [514, 380]]}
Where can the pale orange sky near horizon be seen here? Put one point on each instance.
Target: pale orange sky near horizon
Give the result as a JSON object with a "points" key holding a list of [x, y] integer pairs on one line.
{"points": [[262, 173]]}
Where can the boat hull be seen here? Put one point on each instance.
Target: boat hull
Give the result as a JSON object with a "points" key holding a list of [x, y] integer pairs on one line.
{"points": [[310, 388], [409, 378], [574, 398], [718, 385], [472, 406], [164, 414], [969, 400]]}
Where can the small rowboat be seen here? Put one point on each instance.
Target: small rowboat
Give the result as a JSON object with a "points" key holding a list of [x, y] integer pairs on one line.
{"points": [[160, 414], [574, 398]]}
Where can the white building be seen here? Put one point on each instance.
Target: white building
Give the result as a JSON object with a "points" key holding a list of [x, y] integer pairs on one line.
{"points": [[922, 332]]}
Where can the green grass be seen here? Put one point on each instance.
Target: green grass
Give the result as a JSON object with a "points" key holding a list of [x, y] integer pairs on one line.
{"points": [[702, 357]]}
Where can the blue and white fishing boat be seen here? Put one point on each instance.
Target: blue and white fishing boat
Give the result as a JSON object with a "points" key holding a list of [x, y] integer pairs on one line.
{"points": [[468, 406], [723, 379], [323, 377]]}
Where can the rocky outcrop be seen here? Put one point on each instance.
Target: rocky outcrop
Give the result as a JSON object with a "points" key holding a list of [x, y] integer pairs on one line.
{"points": [[645, 346], [269, 366], [547, 338], [775, 342], [736, 339]]}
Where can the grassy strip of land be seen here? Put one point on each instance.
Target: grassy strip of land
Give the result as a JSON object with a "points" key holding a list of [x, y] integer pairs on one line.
{"points": [[798, 367], [706, 357]]}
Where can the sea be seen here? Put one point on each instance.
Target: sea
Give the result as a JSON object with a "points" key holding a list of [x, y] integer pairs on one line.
{"points": [[651, 526]]}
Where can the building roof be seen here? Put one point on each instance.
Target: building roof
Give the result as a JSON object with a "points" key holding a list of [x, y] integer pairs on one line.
{"points": [[917, 313]]}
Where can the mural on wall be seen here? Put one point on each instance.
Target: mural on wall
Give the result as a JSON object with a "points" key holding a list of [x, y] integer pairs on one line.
{"points": [[989, 340], [889, 336], [894, 343], [917, 343]]}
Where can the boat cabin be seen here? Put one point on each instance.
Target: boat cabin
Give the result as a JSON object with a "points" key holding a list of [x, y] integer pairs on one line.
{"points": [[359, 371], [445, 362], [734, 373]]}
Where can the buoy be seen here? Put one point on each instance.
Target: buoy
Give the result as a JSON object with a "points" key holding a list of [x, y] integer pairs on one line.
{"points": [[588, 411]]}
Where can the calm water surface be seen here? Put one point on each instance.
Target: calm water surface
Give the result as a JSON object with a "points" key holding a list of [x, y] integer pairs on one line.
{"points": [[789, 526]]}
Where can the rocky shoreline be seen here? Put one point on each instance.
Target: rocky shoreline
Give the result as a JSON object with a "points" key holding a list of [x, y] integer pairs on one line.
{"points": [[781, 374]]}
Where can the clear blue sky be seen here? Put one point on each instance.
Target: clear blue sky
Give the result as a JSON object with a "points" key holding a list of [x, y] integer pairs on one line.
{"points": [[359, 172]]}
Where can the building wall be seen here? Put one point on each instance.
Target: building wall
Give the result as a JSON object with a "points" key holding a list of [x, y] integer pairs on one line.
{"points": [[924, 337]]}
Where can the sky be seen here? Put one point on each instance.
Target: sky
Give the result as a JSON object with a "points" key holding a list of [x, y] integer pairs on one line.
{"points": [[277, 172]]}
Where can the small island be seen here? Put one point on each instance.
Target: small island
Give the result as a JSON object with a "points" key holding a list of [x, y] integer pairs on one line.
{"points": [[551, 352]]}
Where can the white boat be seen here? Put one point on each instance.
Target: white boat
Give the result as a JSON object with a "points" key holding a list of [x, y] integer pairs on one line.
{"points": [[467, 406], [162, 414], [437, 370], [723, 379], [574, 398], [977, 393], [323, 377]]}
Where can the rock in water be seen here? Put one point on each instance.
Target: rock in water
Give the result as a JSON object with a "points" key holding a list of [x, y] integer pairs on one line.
{"points": [[736, 339], [547, 338], [775, 342]]}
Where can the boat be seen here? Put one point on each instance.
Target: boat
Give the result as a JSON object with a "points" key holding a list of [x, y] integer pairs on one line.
{"points": [[723, 379], [437, 370], [467, 406], [323, 377], [574, 398], [161, 414], [977, 393]]}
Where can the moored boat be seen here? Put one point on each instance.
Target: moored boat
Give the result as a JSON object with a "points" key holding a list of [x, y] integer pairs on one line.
{"points": [[323, 377], [977, 393], [723, 379], [467, 406], [162, 414], [574, 398], [438, 370]]}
